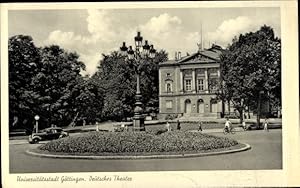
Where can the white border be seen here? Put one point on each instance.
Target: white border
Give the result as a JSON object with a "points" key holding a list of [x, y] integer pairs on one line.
{"points": [[289, 176]]}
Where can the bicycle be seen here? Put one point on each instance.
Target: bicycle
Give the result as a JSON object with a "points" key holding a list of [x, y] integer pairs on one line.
{"points": [[226, 131]]}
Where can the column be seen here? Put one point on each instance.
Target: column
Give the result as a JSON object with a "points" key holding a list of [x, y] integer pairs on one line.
{"points": [[181, 81], [206, 81], [193, 81], [160, 89]]}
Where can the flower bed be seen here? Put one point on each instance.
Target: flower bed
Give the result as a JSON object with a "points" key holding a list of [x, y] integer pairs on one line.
{"points": [[137, 142]]}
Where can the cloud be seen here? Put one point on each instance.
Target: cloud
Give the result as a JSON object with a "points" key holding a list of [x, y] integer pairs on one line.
{"points": [[106, 32], [102, 38], [230, 28], [167, 32], [162, 25]]}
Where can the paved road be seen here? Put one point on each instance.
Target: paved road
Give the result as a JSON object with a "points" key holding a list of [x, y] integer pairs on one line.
{"points": [[266, 153]]}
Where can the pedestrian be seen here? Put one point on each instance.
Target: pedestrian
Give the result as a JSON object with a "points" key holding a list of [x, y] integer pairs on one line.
{"points": [[227, 125], [266, 125], [178, 125], [244, 125], [200, 126], [122, 127], [168, 126]]}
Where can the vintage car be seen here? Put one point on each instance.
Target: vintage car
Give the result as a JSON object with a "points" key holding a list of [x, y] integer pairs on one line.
{"points": [[47, 134]]}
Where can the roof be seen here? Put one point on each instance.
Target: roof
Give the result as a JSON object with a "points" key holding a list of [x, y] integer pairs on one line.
{"points": [[211, 55]]}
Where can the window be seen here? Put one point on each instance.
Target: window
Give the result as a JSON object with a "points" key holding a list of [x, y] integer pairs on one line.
{"points": [[188, 85], [168, 86], [169, 104], [168, 75], [213, 84], [200, 85]]}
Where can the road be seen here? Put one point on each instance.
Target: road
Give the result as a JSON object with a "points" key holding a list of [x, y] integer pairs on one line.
{"points": [[266, 153]]}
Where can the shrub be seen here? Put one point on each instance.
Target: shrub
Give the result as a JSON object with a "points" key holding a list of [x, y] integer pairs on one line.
{"points": [[122, 142]]}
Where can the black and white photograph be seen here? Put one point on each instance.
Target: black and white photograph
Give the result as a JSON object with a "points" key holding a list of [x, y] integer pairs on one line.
{"points": [[99, 95]]}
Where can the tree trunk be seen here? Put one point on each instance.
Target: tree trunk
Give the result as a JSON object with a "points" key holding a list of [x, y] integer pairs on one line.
{"points": [[241, 114], [229, 107], [72, 124], [258, 112], [223, 108]]}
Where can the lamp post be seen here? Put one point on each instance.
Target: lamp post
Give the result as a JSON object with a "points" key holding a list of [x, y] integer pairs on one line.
{"points": [[260, 93], [137, 55], [36, 117]]}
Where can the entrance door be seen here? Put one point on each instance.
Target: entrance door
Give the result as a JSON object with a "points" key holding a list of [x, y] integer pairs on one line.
{"points": [[200, 106], [213, 105], [188, 106]]}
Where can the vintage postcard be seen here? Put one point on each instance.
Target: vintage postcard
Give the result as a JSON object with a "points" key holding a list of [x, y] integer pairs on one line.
{"points": [[143, 94]]}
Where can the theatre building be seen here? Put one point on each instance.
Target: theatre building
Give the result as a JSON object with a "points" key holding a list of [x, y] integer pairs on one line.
{"points": [[188, 85]]}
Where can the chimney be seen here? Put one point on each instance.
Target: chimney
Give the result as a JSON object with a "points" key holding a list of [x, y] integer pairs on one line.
{"points": [[176, 58]]}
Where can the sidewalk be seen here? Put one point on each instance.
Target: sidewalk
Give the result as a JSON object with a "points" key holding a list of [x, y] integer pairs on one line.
{"points": [[236, 129]]}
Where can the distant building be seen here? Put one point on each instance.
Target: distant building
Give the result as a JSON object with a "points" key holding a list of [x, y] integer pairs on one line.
{"points": [[188, 85]]}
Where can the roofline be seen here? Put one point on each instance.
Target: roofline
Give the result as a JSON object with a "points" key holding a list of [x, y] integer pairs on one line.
{"points": [[177, 64]]}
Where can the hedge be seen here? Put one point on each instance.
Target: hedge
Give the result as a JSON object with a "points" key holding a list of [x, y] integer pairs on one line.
{"points": [[135, 142]]}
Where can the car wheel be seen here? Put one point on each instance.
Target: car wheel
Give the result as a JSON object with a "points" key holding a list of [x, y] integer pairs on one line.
{"points": [[62, 136], [35, 141]]}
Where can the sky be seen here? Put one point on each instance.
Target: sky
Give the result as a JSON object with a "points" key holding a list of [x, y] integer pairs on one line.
{"points": [[93, 32]]}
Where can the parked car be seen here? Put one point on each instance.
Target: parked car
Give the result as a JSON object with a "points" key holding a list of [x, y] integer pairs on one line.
{"points": [[251, 126], [47, 134]]}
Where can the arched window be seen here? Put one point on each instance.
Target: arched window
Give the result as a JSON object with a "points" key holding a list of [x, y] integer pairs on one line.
{"points": [[168, 86]]}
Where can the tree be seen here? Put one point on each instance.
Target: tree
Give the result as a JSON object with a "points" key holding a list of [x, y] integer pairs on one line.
{"points": [[88, 100], [47, 81], [117, 78], [23, 60], [250, 69], [150, 82], [55, 84]]}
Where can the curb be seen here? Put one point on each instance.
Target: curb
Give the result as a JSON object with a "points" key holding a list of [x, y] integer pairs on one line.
{"points": [[247, 147]]}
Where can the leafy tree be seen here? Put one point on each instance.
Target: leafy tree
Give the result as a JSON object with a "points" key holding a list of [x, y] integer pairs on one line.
{"points": [[88, 101], [117, 77], [23, 61], [150, 82], [251, 69], [56, 83]]}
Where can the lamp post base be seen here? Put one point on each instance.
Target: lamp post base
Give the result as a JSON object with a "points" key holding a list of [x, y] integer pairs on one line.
{"points": [[138, 123]]}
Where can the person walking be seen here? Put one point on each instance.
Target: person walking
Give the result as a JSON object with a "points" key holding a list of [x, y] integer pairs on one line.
{"points": [[168, 126], [244, 125], [266, 125], [122, 126], [227, 125], [200, 126], [178, 125]]}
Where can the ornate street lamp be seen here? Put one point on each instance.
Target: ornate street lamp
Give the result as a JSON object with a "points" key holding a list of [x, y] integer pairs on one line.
{"points": [[141, 52]]}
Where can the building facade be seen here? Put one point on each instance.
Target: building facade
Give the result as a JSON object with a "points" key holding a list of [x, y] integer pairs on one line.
{"points": [[188, 85]]}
